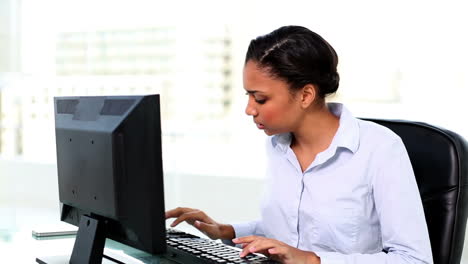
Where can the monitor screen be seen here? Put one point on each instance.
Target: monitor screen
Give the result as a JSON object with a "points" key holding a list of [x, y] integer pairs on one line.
{"points": [[110, 173]]}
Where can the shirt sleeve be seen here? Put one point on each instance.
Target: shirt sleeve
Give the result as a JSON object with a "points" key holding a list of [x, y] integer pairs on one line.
{"points": [[248, 229], [398, 205], [244, 229]]}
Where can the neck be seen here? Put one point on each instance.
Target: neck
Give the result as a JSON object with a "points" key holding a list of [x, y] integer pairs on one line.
{"points": [[317, 130]]}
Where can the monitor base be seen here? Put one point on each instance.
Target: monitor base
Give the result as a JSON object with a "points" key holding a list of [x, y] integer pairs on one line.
{"points": [[65, 260]]}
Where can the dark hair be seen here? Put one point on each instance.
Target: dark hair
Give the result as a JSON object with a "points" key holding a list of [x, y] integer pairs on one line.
{"points": [[298, 56]]}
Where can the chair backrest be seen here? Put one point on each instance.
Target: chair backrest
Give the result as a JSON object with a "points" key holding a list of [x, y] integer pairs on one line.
{"points": [[440, 163]]}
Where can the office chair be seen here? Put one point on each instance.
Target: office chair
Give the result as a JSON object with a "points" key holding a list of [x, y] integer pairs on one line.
{"points": [[440, 163]]}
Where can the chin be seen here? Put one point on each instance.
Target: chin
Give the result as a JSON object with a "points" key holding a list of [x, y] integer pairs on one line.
{"points": [[269, 133]]}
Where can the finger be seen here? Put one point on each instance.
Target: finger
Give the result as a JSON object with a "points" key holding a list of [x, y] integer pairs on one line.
{"points": [[190, 218], [251, 247], [176, 212], [277, 251], [263, 246], [245, 251], [207, 229], [246, 239]]}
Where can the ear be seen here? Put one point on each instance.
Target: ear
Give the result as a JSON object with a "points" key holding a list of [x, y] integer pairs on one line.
{"points": [[308, 95]]}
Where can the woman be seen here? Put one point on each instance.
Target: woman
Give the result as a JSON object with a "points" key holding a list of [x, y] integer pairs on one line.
{"points": [[339, 189]]}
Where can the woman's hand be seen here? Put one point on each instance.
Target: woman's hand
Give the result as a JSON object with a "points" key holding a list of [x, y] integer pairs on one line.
{"points": [[202, 222], [276, 250]]}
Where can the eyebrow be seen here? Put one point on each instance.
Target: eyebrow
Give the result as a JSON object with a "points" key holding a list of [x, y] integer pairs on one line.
{"points": [[253, 91]]}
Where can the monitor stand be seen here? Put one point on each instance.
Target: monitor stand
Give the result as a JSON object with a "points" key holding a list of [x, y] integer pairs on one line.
{"points": [[88, 247], [66, 260]]}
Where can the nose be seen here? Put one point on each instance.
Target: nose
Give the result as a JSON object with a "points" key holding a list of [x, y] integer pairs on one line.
{"points": [[250, 109]]}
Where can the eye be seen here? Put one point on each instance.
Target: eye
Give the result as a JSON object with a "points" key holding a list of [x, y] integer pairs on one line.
{"points": [[258, 101], [262, 101]]}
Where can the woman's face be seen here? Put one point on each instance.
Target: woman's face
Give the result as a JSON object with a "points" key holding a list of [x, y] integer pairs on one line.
{"points": [[273, 108]]}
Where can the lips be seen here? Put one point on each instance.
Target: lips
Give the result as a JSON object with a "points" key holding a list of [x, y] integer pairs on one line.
{"points": [[260, 126]]}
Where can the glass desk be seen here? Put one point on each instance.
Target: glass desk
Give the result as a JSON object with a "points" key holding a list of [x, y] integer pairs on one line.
{"points": [[18, 245], [22, 247]]}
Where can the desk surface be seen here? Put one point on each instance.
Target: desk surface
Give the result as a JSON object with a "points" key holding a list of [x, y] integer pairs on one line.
{"points": [[21, 247], [17, 244]]}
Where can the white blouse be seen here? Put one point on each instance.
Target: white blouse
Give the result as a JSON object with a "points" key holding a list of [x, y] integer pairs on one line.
{"points": [[358, 198]]}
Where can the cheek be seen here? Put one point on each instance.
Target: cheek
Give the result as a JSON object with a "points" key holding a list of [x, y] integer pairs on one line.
{"points": [[271, 114]]}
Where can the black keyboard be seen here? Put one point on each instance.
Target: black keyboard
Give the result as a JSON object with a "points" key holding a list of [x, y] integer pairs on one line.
{"points": [[187, 248]]}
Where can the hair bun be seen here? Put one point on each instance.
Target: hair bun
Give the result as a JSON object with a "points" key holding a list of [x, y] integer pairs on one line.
{"points": [[334, 82], [329, 84]]}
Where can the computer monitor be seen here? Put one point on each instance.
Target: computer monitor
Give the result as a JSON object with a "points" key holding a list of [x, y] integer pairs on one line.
{"points": [[110, 173]]}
